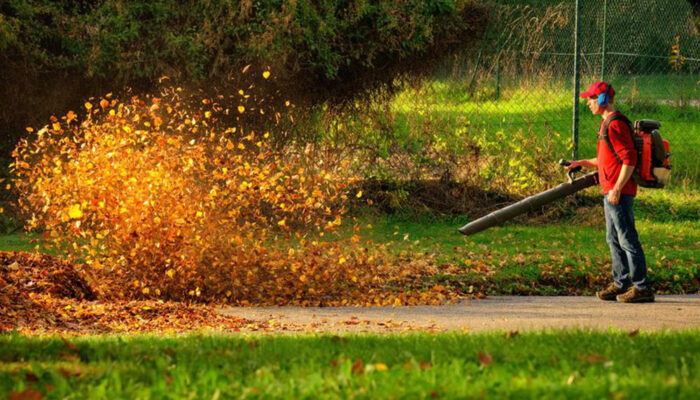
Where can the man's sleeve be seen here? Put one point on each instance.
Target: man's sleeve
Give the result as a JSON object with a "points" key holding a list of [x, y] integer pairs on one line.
{"points": [[621, 139]]}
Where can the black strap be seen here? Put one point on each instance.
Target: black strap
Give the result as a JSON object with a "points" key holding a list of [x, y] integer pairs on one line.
{"points": [[606, 134]]}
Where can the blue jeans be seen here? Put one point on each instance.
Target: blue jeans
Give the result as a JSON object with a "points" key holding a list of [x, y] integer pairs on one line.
{"points": [[628, 263]]}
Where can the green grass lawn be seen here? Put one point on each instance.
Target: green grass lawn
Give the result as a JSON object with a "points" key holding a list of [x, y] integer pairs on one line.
{"points": [[444, 106], [561, 364], [17, 242], [569, 256]]}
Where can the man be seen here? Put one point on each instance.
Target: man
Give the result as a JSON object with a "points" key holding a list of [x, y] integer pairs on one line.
{"points": [[615, 160]]}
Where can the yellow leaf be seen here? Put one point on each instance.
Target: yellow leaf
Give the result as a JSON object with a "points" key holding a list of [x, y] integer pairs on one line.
{"points": [[359, 194], [282, 223], [207, 114], [266, 74], [341, 260], [75, 212], [170, 273], [380, 367], [241, 109], [241, 146], [88, 105]]}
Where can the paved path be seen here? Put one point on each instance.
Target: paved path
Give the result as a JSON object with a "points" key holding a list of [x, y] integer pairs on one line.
{"points": [[493, 313]]}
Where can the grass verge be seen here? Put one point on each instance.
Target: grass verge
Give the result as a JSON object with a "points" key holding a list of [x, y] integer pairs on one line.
{"points": [[567, 257], [559, 364]]}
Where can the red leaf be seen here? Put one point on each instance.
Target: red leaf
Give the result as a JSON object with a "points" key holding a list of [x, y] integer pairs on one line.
{"points": [[358, 367], [27, 394], [69, 344], [592, 358], [485, 359], [31, 377]]}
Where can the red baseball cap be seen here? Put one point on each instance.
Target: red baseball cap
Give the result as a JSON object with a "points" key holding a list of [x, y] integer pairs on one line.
{"points": [[598, 88]]}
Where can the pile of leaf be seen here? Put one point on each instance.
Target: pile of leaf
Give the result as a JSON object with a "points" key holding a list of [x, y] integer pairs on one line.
{"points": [[40, 293], [176, 198]]}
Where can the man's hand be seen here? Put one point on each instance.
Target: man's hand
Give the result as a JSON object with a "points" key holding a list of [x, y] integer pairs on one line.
{"points": [[614, 195], [590, 163], [572, 164], [625, 174]]}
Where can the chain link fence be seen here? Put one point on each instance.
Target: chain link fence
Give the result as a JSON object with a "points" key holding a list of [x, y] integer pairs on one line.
{"points": [[522, 76]]}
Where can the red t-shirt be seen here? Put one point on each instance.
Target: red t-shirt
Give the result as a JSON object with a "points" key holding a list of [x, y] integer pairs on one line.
{"points": [[608, 166]]}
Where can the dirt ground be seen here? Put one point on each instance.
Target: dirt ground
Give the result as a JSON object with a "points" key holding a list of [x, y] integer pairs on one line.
{"points": [[507, 313]]}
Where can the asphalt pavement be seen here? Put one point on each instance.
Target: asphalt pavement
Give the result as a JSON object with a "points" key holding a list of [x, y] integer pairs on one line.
{"points": [[496, 313]]}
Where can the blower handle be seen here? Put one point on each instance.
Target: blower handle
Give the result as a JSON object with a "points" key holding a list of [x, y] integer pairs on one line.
{"points": [[572, 171]]}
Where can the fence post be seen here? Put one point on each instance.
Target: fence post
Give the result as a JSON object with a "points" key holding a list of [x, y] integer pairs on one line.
{"points": [[605, 30], [577, 78]]}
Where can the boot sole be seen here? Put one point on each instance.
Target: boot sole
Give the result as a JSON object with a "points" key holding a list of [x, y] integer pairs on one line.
{"points": [[642, 300], [605, 299]]}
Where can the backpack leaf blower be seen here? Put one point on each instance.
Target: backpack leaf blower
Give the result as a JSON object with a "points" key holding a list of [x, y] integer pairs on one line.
{"points": [[530, 203]]}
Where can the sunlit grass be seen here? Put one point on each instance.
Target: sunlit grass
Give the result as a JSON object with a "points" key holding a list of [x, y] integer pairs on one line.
{"points": [[449, 106], [555, 364]]}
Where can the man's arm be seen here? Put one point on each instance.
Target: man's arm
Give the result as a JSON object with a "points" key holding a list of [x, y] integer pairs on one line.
{"points": [[589, 163], [622, 142], [625, 174]]}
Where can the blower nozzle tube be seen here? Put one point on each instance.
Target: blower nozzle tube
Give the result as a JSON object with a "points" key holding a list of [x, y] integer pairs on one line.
{"points": [[530, 203]]}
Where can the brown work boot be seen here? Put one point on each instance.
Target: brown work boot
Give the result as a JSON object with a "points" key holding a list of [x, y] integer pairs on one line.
{"points": [[634, 295], [610, 293]]}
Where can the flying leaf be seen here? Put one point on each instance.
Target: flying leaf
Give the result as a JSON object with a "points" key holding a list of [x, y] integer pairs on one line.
{"points": [[75, 212]]}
